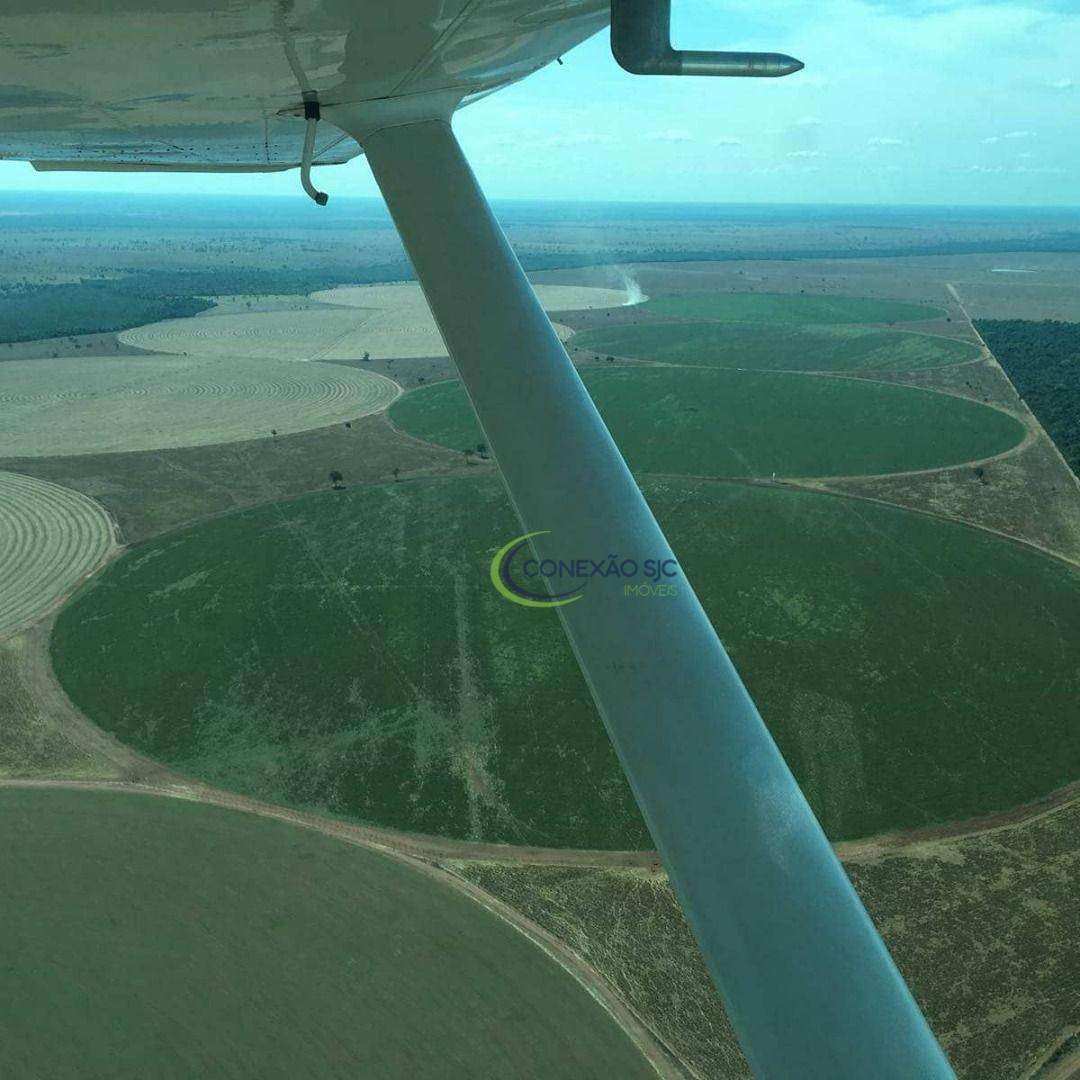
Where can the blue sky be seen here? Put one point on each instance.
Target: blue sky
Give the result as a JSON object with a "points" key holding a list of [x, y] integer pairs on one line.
{"points": [[948, 102]]}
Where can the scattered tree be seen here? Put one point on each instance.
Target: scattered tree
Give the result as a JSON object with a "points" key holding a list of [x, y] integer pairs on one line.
{"points": [[396, 471], [481, 449]]}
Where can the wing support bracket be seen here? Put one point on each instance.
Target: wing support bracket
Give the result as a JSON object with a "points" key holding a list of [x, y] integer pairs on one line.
{"points": [[641, 43], [311, 116]]}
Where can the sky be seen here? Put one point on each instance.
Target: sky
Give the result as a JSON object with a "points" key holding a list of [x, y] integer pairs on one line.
{"points": [[946, 102]]}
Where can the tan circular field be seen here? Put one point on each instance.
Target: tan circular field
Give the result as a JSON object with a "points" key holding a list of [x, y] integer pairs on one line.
{"points": [[104, 404], [405, 294], [384, 321], [259, 335], [50, 537]]}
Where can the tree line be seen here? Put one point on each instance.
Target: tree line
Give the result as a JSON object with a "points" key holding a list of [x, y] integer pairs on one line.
{"points": [[1043, 361]]}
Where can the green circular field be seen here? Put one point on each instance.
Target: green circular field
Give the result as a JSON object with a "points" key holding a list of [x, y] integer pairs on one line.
{"points": [[790, 309], [712, 422], [776, 348], [914, 671], [101, 404], [149, 937], [50, 537]]}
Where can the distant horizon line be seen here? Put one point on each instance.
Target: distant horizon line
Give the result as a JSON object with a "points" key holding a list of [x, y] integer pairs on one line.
{"points": [[375, 199]]}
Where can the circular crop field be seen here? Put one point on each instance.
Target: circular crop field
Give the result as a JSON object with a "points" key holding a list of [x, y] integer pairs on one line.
{"points": [[913, 671], [405, 295], [384, 321], [146, 936], [103, 404], [256, 335], [50, 537], [711, 422], [791, 309], [776, 348]]}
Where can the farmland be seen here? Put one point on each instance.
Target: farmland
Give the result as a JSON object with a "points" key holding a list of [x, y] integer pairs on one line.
{"points": [[776, 348], [342, 651], [789, 309], [50, 537], [303, 652], [104, 403], [712, 422], [147, 936], [377, 322]]}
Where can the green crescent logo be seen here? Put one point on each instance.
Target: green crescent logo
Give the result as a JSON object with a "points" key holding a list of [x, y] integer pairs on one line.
{"points": [[506, 587]]}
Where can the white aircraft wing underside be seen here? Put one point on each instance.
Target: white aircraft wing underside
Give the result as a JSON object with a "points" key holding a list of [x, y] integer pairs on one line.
{"points": [[212, 85]]}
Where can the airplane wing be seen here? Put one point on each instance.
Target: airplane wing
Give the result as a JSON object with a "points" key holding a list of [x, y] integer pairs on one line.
{"points": [[212, 84], [202, 85]]}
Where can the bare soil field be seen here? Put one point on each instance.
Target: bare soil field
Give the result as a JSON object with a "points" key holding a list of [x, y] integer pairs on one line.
{"points": [[50, 538], [350, 323], [116, 404]]}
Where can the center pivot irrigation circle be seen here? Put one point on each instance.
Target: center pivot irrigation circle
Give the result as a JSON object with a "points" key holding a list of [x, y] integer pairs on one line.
{"points": [[106, 404], [50, 537]]}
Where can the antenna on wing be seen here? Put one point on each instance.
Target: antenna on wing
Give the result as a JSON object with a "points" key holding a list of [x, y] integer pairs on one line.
{"points": [[641, 43], [311, 115]]}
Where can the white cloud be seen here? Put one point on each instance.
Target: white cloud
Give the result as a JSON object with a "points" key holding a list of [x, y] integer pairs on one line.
{"points": [[808, 121], [559, 142], [1062, 84], [884, 140], [805, 154], [1017, 170], [727, 140], [1010, 135], [670, 135]]}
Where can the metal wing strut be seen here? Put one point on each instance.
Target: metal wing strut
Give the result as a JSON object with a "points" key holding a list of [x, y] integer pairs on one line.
{"points": [[808, 984]]}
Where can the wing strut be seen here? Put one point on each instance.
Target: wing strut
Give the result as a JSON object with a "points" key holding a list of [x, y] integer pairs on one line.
{"points": [[807, 982], [311, 118]]}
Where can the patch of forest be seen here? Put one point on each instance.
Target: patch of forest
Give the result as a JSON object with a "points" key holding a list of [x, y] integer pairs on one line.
{"points": [[30, 311], [1043, 360]]}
